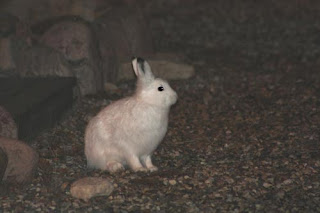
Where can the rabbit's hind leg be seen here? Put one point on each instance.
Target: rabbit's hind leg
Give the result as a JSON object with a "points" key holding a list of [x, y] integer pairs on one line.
{"points": [[135, 165], [146, 160], [114, 166]]}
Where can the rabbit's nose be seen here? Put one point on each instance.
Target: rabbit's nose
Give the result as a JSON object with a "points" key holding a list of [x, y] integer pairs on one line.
{"points": [[174, 98]]}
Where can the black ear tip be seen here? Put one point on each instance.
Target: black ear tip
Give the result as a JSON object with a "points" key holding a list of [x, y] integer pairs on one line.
{"points": [[140, 60], [132, 58]]}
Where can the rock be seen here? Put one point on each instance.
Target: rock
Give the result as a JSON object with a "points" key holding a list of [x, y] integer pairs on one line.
{"points": [[3, 163], [84, 8], [8, 127], [43, 61], [126, 29], [160, 5], [267, 185], [12, 25], [109, 60], [6, 60], [34, 11], [86, 78], [72, 38], [163, 68], [89, 187], [22, 161], [75, 40], [7, 64], [38, 60], [111, 88], [172, 182], [7, 24], [167, 56]]}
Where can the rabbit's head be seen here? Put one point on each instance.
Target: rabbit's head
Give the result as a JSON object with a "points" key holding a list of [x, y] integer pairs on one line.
{"points": [[152, 90]]}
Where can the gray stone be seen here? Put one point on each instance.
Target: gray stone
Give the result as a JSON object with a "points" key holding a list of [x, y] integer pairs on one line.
{"points": [[8, 24], [6, 60], [22, 161], [86, 78], [8, 127], [3, 163], [43, 61], [34, 11], [89, 187], [38, 60], [72, 38], [166, 68], [109, 60], [76, 42], [111, 88], [122, 33]]}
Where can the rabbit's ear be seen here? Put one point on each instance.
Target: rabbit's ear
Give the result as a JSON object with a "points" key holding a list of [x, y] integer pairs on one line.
{"points": [[142, 70]]}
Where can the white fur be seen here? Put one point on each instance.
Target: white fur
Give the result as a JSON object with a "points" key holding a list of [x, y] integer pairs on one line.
{"points": [[129, 130]]}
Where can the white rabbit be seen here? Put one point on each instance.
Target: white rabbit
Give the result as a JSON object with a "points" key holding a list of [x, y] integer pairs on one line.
{"points": [[128, 131]]}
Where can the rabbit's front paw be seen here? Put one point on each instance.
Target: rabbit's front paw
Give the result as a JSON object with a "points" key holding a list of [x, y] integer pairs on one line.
{"points": [[114, 166], [140, 169], [152, 168]]}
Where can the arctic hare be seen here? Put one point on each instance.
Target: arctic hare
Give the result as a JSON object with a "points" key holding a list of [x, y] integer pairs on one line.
{"points": [[128, 131]]}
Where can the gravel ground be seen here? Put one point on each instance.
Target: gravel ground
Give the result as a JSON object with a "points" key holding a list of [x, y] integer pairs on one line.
{"points": [[243, 137]]}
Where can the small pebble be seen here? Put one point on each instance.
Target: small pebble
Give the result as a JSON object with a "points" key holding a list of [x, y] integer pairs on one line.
{"points": [[287, 182], [172, 182], [267, 185]]}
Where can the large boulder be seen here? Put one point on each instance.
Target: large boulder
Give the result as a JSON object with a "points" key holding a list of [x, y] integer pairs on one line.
{"points": [[41, 60], [109, 60], [38, 60], [3, 163], [122, 33], [86, 78], [166, 66], [10, 26], [34, 11], [76, 42], [22, 161], [72, 38], [8, 127], [6, 60]]}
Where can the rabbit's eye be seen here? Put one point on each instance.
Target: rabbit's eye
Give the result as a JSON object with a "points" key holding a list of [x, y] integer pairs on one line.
{"points": [[160, 88]]}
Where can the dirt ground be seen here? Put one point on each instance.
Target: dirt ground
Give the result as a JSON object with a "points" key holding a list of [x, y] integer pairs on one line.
{"points": [[243, 136]]}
